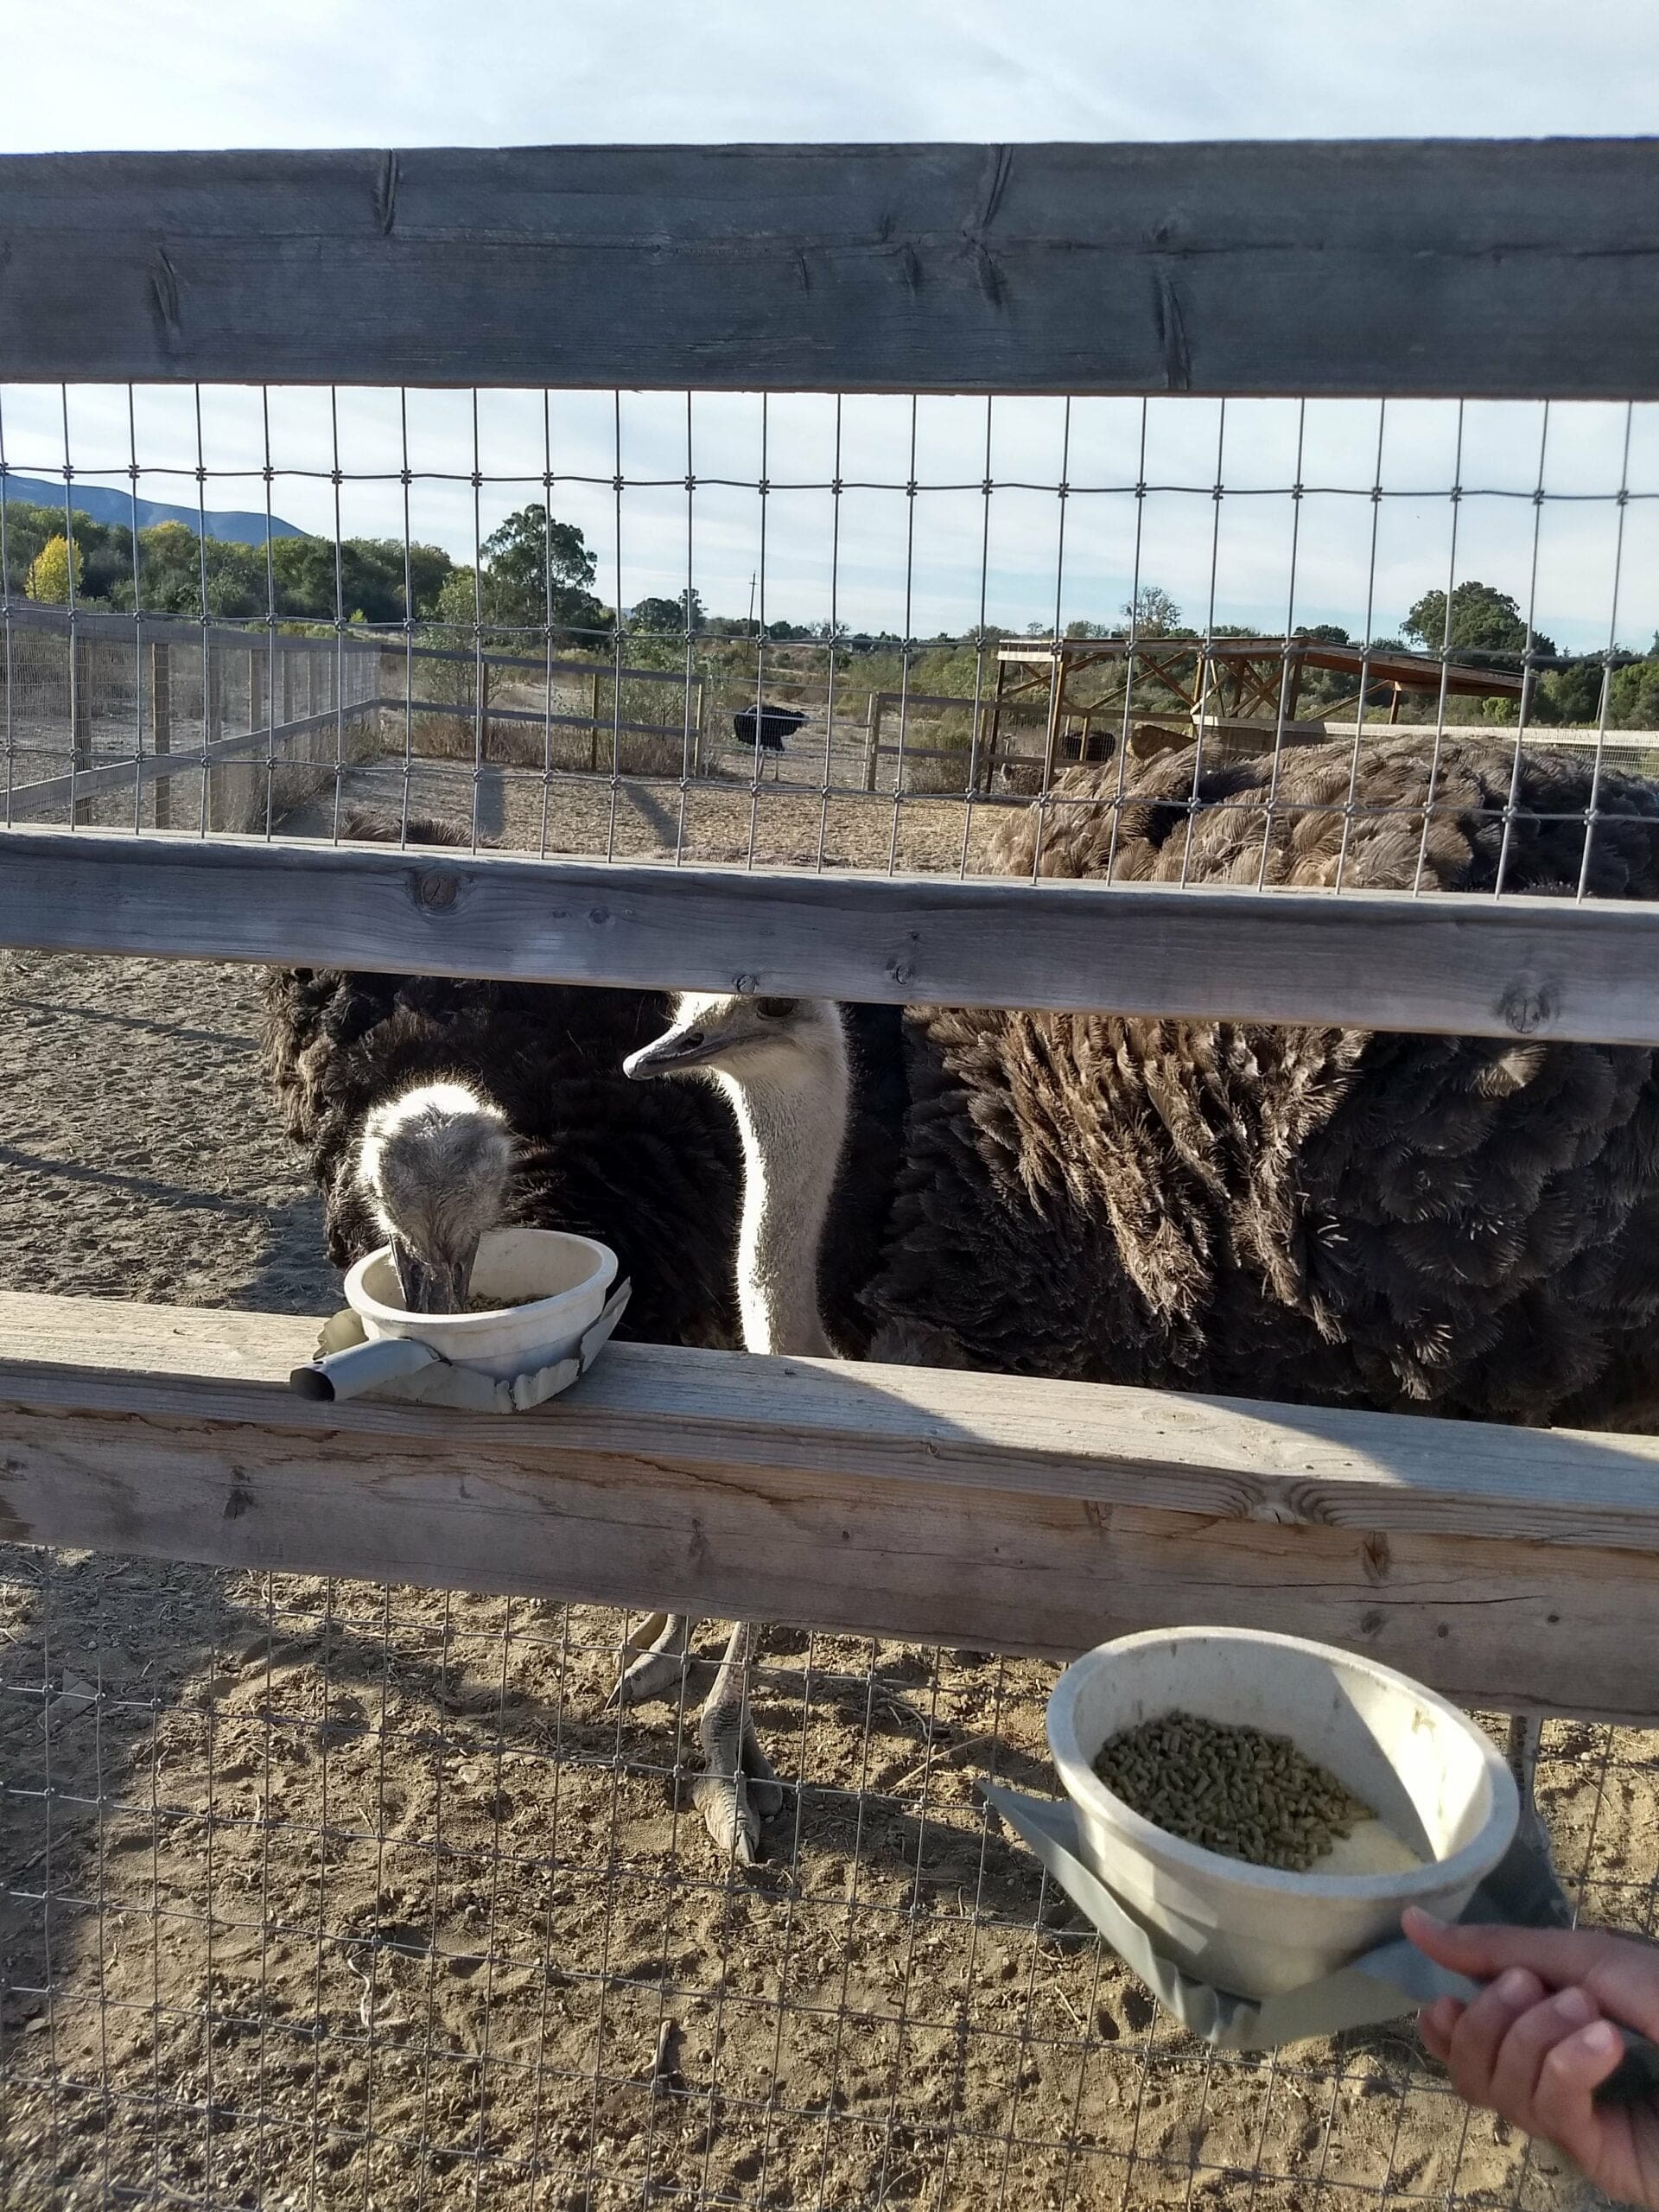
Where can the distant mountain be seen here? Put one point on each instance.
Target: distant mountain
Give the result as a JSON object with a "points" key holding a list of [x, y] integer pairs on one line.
{"points": [[103, 503]]}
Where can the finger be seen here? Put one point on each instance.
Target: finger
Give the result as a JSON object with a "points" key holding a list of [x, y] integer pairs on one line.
{"points": [[1435, 2023], [1621, 1972], [1520, 2058], [1564, 2102], [1478, 2036]]}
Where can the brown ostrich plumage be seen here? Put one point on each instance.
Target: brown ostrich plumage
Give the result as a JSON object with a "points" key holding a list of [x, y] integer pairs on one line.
{"points": [[1450, 1226]]}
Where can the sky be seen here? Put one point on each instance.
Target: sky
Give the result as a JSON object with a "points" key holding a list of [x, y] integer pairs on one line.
{"points": [[338, 72]]}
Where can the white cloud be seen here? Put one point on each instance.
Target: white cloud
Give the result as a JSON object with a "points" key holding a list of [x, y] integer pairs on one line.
{"points": [[355, 72], [184, 73]]}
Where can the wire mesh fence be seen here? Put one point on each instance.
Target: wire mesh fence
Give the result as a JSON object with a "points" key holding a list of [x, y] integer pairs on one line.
{"points": [[334, 1894], [822, 631], [326, 1894]]}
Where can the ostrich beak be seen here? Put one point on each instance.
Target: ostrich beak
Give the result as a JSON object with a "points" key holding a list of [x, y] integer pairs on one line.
{"points": [[432, 1286], [671, 1055]]}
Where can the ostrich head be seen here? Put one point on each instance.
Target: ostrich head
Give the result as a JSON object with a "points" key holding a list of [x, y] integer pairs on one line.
{"points": [[434, 1164], [753, 1039]]}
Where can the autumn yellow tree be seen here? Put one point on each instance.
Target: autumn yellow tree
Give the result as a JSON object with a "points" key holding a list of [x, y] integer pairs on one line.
{"points": [[48, 579]]}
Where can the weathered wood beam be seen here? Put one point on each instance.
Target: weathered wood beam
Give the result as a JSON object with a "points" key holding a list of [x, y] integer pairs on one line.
{"points": [[1452, 965], [1486, 268], [1510, 1567]]}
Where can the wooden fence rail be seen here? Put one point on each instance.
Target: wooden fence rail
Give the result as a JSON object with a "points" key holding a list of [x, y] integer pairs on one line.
{"points": [[1487, 269], [1449, 965], [1512, 1567]]}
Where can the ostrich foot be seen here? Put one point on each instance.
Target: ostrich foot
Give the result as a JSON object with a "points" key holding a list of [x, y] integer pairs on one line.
{"points": [[737, 1789], [662, 1648], [1522, 1751], [736, 1792]]}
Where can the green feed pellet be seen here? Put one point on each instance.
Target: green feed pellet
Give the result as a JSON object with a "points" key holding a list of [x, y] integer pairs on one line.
{"points": [[1237, 1790]]}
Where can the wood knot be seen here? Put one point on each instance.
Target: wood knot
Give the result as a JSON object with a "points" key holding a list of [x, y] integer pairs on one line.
{"points": [[1526, 1009], [435, 891]]}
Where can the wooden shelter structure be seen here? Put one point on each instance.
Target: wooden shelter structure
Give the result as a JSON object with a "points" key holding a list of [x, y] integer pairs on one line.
{"points": [[1244, 693]]}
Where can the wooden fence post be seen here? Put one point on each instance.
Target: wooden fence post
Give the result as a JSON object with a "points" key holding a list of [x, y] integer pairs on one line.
{"points": [[213, 727], [161, 722], [81, 713], [871, 738]]}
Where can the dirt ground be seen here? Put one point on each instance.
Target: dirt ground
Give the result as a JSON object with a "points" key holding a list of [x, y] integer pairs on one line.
{"points": [[326, 1894]]}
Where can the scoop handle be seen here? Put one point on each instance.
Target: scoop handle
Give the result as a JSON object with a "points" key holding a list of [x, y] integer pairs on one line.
{"points": [[1636, 2075], [360, 1367]]}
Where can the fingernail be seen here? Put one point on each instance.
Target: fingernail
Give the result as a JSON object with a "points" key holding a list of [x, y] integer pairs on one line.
{"points": [[1513, 1984], [1573, 2005], [1603, 2039]]}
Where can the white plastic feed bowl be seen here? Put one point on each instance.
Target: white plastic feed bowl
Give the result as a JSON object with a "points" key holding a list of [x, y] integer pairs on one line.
{"points": [[567, 1279], [1444, 1797]]}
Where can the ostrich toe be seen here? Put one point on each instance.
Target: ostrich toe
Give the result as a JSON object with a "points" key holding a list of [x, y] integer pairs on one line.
{"points": [[663, 1652], [737, 1789]]}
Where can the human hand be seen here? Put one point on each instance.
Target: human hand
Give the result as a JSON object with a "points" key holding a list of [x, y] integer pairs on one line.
{"points": [[1539, 2041]]}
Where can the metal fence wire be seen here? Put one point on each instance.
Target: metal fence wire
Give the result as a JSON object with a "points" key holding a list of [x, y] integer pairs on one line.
{"points": [[323, 1894], [809, 629]]}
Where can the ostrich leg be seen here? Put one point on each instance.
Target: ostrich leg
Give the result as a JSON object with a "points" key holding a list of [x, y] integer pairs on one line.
{"points": [[1552, 1908], [662, 1649], [737, 1789], [1522, 1754]]}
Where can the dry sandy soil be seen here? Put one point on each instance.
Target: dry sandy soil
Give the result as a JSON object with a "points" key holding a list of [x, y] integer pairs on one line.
{"points": [[325, 1895]]}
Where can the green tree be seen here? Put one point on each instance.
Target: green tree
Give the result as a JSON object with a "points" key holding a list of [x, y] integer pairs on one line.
{"points": [[1634, 700], [1487, 627], [49, 576], [536, 570], [670, 617], [1569, 695], [1153, 612]]}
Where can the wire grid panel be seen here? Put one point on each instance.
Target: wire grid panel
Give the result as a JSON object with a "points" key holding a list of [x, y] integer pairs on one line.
{"points": [[327, 1894], [804, 629]]}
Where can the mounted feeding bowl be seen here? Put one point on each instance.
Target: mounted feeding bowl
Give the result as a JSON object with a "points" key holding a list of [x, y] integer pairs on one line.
{"points": [[551, 1289], [542, 1308], [1445, 1804]]}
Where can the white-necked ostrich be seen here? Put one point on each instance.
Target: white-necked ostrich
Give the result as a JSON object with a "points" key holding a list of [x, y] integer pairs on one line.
{"points": [[783, 1066], [1469, 1227], [430, 1108]]}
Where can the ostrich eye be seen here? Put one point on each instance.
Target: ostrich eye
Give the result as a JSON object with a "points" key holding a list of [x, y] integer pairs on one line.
{"points": [[776, 1009]]}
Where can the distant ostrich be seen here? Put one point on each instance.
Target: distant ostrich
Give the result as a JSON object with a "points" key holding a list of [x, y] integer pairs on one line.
{"points": [[774, 725], [783, 1067]]}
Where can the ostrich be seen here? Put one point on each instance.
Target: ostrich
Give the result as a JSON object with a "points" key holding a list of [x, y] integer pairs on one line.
{"points": [[429, 1107], [772, 725], [783, 1066], [1459, 1226], [1464, 1226], [433, 1166]]}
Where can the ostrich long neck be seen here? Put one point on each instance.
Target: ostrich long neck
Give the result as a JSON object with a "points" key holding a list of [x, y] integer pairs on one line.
{"points": [[793, 1127]]}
